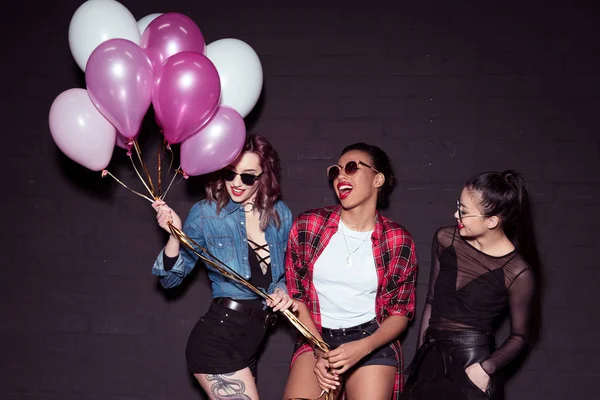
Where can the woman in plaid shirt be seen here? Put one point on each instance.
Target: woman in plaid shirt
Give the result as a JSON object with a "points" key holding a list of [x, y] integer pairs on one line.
{"points": [[352, 272]]}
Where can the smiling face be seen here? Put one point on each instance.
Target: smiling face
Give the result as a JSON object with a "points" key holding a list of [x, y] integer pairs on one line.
{"points": [[470, 217], [247, 163], [358, 187]]}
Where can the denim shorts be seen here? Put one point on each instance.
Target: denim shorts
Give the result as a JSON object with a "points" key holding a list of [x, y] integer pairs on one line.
{"points": [[385, 355]]}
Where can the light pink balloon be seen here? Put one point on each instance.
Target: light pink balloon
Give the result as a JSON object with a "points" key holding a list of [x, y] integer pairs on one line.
{"points": [[80, 131], [185, 95], [119, 78], [214, 146], [169, 34]]}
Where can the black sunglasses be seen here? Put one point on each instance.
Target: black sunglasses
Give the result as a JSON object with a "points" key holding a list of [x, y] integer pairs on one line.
{"points": [[247, 179], [349, 169]]}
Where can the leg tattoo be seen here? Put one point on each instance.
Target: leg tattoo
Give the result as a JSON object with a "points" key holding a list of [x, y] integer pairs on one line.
{"points": [[225, 388]]}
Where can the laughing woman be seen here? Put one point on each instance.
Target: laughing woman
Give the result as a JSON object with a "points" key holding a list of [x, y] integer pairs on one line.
{"points": [[244, 224], [352, 272]]}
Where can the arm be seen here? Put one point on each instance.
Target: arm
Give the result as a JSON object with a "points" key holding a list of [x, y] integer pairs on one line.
{"points": [[520, 295], [185, 260], [298, 292], [435, 270], [295, 284], [401, 305], [284, 232]]}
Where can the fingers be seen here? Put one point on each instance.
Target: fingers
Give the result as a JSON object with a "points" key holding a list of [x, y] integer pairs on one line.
{"points": [[295, 306], [334, 355], [284, 304], [338, 366], [275, 299], [325, 379], [157, 204]]}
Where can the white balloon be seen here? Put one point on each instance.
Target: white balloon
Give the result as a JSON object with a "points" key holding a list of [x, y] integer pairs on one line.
{"points": [[240, 73], [144, 22], [97, 21]]}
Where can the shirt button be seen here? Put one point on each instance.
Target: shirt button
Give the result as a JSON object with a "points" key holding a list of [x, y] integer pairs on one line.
{"points": [[242, 222]]}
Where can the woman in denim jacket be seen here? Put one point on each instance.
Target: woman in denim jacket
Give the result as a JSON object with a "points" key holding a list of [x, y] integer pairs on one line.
{"points": [[244, 224]]}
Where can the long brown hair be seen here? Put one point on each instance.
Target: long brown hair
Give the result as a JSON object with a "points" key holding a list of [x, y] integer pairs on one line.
{"points": [[268, 191]]}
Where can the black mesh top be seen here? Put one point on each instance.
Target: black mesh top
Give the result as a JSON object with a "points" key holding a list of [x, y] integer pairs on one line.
{"points": [[468, 289]]}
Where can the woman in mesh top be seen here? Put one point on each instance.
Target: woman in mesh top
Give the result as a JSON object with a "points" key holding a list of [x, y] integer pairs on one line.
{"points": [[479, 266]]}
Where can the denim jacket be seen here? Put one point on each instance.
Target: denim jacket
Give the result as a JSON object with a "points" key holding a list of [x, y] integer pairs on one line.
{"points": [[224, 235]]}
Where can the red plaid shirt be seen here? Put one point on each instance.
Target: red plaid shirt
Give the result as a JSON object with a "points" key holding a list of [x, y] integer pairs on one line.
{"points": [[395, 260]]}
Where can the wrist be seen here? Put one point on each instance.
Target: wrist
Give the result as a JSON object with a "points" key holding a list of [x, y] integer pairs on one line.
{"points": [[367, 345]]}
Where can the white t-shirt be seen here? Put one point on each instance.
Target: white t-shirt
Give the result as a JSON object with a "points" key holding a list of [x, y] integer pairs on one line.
{"points": [[346, 292]]}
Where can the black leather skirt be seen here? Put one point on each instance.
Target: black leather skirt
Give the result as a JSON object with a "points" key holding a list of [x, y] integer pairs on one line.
{"points": [[438, 369]]}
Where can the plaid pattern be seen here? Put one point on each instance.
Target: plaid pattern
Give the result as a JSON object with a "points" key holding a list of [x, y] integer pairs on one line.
{"points": [[395, 260]]}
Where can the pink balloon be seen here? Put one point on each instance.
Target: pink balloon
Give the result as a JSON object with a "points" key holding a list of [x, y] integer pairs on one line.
{"points": [[169, 34], [122, 142], [80, 131], [119, 78], [185, 95], [214, 146]]}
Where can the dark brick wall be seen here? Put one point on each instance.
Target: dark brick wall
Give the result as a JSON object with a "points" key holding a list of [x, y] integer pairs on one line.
{"points": [[448, 89]]}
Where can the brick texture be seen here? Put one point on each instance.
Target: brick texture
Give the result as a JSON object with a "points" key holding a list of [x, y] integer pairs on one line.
{"points": [[447, 89]]}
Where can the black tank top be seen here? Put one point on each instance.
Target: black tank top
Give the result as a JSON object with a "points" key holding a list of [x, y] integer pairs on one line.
{"points": [[257, 278]]}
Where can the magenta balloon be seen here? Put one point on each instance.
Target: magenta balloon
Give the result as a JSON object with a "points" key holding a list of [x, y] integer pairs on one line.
{"points": [[214, 146], [185, 95], [122, 142], [119, 78], [169, 34], [80, 131]]}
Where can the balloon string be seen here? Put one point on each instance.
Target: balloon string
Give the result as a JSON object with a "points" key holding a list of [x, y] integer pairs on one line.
{"points": [[168, 147], [226, 271], [177, 171], [139, 154], [160, 156], [106, 172], [140, 176]]}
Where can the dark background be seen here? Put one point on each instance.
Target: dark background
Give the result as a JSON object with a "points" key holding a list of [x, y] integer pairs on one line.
{"points": [[447, 89]]}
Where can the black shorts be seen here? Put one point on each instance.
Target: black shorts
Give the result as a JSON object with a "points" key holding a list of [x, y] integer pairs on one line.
{"points": [[224, 341], [384, 355]]}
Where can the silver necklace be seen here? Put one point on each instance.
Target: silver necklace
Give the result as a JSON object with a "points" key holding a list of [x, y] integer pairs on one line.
{"points": [[349, 258]]}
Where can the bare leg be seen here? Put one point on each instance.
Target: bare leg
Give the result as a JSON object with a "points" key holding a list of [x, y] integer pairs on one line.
{"points": [[239, 385], [373, 382], [302, 383]]}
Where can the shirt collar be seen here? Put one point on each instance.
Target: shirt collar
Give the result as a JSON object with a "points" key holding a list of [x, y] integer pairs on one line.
{"points": [[335, 215], [231, 206]]}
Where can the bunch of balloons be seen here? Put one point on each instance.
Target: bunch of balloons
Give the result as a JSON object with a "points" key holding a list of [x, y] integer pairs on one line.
{"points": [[200, 93]]}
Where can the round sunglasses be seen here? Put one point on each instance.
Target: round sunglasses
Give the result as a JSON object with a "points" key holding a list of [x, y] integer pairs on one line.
{"points": [[350, 168], [247, 179]]}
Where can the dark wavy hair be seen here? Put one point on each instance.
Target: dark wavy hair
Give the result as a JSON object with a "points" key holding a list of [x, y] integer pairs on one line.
{"points": [[381, 162], [505, 195], [268, 191]]}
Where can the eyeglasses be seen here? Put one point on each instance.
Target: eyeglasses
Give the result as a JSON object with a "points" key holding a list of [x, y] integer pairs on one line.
{"points": [[461, 215], [247, 179], [349, 169]]}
